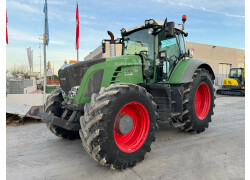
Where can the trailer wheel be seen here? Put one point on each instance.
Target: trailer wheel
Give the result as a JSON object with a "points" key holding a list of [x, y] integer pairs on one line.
{"points": [[198, 102], [53, 105], [118, 126]]}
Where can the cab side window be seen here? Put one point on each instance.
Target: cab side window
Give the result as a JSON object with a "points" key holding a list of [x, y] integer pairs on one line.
{"points": [[181, 43], [171, 46]]}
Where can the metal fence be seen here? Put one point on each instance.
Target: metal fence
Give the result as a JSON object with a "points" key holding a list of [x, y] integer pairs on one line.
{"points": [[17, 85], [219, 78]]}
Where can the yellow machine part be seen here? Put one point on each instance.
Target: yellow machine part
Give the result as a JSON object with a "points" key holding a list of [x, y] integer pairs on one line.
{"points": [[230, 82]]}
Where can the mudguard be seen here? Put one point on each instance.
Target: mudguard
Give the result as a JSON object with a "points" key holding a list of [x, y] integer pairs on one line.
{"points": [[184, 70]]}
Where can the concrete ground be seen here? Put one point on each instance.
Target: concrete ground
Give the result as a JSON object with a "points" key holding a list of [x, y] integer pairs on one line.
{"points": [[33, 152]]}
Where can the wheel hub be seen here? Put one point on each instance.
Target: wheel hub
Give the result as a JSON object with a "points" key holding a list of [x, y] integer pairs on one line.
{"points": [[202, 101], [131, 127], [124, 124]]}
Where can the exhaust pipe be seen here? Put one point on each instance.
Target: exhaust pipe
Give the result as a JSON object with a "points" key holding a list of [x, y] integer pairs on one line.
{"points": [[112, 49]]}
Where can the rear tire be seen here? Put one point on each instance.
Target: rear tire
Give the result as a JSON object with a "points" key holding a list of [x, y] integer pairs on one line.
{"points": [[198, 102], [53, 105], [99, 135]]}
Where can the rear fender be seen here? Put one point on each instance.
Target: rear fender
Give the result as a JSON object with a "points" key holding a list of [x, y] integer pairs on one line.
{"points": [[185, 69]]}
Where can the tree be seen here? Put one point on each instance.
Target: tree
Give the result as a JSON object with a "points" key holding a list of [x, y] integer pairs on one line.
{"points": [[48, 65], [19, 69]]}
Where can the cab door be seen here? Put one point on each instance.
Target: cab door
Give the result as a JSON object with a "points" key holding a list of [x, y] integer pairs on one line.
{"points": [[174, 47]]}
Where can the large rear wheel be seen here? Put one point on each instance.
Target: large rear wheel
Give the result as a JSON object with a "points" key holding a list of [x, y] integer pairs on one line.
{"points": [[119, 124], [198, 102]]}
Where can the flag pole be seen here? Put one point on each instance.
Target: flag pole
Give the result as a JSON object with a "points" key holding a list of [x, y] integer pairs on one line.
{"points": [[44, 70], [44, 54], [77, 56], [77, 30]]}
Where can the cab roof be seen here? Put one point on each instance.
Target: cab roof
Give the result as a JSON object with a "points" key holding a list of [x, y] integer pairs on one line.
{"points": [[148, 23]]}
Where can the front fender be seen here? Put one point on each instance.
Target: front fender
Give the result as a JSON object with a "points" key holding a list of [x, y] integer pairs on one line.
{"points": [[184, 71]]}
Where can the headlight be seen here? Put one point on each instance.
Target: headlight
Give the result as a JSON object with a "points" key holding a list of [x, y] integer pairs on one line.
{"points": [[150, 31], [151, 21], [73, 91]]}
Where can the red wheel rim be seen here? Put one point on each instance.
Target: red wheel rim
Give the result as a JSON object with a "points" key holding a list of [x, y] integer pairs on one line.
{"points": [[136, 137], [202, 101]]}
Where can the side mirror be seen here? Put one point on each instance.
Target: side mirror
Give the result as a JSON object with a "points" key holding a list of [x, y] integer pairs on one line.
{"points": [[103, 47], [169, 29], [190, 52]]}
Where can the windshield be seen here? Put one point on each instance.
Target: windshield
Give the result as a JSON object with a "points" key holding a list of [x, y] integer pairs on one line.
{"points": [[141, 42]]}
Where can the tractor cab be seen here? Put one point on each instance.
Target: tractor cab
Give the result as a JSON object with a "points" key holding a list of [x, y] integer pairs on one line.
{"points": [[160, 44]]}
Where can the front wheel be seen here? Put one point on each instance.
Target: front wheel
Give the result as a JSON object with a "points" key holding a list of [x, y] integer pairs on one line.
{"points": [[119, 124], [198, 102]]}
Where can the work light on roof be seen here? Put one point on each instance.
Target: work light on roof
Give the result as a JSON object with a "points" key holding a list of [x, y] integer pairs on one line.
{"points": [[151, 21], [123, 30]]}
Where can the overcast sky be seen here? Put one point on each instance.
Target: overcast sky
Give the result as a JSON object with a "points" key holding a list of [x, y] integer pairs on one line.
{"points": [[220, 22]]}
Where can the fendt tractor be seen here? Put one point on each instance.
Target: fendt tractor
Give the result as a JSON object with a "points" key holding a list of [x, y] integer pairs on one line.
{"points": [[113, 104]]}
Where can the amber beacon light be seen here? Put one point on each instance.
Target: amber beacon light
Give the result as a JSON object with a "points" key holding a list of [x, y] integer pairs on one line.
{"points": [[184, 18]]}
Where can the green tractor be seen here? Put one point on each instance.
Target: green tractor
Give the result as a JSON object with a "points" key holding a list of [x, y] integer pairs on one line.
{"points": [[113, 104]]}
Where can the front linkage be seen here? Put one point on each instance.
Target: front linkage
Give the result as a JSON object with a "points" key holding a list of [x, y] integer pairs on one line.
{"points": [[62, 115]]}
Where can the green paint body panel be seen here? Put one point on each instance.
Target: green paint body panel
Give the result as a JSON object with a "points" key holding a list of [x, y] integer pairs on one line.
{"points": [[179, 70], [131, 72]]}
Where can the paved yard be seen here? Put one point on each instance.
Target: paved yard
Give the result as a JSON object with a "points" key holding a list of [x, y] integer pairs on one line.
{"points": [[33, 152]]}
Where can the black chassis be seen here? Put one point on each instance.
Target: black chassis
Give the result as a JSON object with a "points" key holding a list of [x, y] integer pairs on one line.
{"points": [[168, 98]]}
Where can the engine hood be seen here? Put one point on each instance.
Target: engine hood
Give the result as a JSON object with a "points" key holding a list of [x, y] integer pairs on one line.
{"points": [[71, 75]]}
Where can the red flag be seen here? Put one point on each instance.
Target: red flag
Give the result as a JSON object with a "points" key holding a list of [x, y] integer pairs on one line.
{"points": [[6, 29], [77, 27]]}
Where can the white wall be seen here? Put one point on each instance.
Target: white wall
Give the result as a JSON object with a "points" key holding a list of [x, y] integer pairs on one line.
{"points": [[29, 89], [28, 99]]}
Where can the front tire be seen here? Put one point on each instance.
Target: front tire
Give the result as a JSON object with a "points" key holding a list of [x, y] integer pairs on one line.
{"points": [[198, 102], [109, 145]]}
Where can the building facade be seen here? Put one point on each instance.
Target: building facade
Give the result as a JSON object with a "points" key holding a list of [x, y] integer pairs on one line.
{"points": [[220, 58]]}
